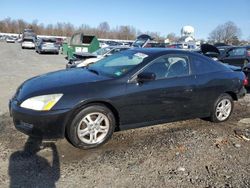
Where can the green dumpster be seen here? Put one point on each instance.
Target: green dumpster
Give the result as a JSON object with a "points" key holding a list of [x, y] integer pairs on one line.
{"points": [[65, 48], [82, 43]]}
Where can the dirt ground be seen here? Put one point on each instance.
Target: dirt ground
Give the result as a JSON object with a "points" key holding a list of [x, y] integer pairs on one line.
{"points": [[193, 153]]}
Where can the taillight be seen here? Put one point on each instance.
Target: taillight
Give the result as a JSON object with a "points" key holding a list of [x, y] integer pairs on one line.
{"points": [[245, 81]]}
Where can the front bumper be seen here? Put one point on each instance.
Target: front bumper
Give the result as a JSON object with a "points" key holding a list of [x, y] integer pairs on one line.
{"points": [[46, 125], [28, 46]]}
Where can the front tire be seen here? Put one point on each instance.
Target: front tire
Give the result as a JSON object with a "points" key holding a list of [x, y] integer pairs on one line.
{"points": [[91, 127], [222, 108]]}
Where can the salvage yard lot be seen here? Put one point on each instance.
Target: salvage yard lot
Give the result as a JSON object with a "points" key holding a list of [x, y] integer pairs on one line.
{"points": [[193, 153]]}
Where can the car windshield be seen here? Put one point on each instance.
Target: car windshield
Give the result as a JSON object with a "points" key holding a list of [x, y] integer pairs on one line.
{"points": [[118, 64], [49, 40], [102, 51]]}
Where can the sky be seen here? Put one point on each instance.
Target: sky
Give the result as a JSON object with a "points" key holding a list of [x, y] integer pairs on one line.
{"points": [[163, 16]]}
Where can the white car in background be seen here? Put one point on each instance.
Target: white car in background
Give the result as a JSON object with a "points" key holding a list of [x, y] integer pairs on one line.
{"points": [[84, 59], [10, 40], [28, 43]]}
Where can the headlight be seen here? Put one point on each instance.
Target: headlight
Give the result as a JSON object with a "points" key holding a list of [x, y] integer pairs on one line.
{"points": [[41, 103]]}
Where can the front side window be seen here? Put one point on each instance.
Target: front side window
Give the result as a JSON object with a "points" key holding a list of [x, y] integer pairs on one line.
{"points": [[169, 66]]}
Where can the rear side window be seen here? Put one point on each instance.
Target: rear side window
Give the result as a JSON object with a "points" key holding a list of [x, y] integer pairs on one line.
{"points": [[205, 65]]}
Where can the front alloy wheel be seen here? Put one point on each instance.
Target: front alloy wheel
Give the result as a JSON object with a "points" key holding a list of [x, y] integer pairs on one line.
{"points": [[91, 127]]}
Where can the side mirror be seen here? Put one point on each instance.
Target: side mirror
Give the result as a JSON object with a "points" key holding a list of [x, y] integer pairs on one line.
{"points": [[145, 77]]}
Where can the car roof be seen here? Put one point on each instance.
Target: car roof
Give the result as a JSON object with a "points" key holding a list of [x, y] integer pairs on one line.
{"points": [[156, 51]]}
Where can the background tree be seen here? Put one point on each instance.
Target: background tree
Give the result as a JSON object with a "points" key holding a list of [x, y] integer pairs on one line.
{"points": [[172, 37], [21, 25], [226, 33], [103, 29]]}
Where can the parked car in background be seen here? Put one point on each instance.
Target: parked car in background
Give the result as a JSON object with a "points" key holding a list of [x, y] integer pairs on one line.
{"points": [[223, 49], [37, 42], [84, 59], [236, 55], [178, 46], [235, 62], [10, 39], [59, 42], [47, 45], [28, 42], [28, 33], [130, 89], [2, 38], [142, 41]]}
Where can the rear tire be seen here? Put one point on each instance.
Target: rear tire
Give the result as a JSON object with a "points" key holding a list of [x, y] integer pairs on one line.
{"points": [[222, 108], [91, 127]]}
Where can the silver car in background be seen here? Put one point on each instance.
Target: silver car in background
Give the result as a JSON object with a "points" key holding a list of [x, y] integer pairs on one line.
{"points": [[47, 45]]}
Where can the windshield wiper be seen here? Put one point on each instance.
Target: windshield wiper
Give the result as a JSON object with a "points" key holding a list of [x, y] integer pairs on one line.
{"points": [[93, 70]]}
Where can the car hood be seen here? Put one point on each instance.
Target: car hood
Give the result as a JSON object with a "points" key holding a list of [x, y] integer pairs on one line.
{"points": [[57, 82]]}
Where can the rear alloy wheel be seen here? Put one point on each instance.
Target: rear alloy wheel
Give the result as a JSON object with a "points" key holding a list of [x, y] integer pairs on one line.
{"points": [[91, 127], [222, 109]]}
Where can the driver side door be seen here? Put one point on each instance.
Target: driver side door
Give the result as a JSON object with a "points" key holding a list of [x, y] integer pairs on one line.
{"points": [[167, 98]]}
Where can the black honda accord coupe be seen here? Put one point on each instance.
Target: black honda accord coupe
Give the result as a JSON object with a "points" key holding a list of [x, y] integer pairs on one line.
{"points": [[130, 89]]}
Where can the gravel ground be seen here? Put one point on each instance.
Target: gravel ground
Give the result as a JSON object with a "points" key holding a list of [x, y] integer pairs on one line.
{"points": [[17, 65], [193, 153]]}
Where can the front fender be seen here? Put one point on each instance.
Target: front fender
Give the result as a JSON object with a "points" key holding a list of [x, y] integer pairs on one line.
{"points": [[86, 103]]}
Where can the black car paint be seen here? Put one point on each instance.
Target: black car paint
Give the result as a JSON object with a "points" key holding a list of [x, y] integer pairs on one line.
{"points": [[134, 104]]}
